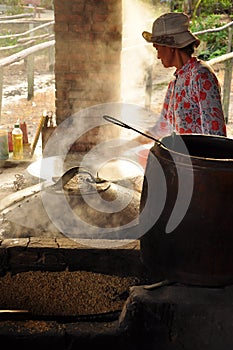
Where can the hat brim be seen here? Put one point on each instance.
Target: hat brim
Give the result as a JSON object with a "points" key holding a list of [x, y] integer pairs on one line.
{"points": [[178, 40], [147, 36]]}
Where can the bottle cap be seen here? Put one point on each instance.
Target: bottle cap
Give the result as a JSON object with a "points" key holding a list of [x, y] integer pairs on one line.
{"points": [[17, 124]]}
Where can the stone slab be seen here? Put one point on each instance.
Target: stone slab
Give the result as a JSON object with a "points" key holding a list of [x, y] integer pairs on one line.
{"points": [[180, 317]]}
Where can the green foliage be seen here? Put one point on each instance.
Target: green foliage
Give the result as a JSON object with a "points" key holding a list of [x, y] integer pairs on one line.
{"points": [[13, 7], [215, 44], [7, 41], [208, 14], [209, 7], [202, 7], [13, 10], [10, 2]]}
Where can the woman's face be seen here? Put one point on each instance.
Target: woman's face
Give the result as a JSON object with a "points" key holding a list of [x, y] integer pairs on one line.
{"points": [[165, 54]]}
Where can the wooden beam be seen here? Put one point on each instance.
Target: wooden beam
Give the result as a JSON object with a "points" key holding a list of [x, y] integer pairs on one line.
{"points": [[219, 59], [24, 53]]}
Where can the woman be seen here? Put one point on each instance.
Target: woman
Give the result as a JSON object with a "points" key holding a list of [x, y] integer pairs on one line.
{"points": [[193, 100]]}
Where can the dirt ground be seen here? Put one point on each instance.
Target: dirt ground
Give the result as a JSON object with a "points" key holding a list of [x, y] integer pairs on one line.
{"points": [[15, 104]]}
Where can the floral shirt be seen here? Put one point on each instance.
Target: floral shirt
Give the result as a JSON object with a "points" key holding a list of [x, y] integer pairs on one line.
{"points": [[193, 102]]}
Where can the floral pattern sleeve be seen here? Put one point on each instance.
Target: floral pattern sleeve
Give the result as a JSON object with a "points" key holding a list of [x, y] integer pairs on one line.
{"points": [[209, 99], [192, 103]]}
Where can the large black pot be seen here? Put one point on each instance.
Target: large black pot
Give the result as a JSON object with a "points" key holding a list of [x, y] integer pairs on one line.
{"points": [[192, 239]]}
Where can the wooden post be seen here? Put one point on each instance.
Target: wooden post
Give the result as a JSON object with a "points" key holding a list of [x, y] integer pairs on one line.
{"points": [[30, 70], [38, 131], [148, 89], [227, 78], [30, 76], [51, 53]]}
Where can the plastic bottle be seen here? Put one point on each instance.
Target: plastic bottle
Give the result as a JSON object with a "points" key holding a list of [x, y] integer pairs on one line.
{"points": [[17, 142]]}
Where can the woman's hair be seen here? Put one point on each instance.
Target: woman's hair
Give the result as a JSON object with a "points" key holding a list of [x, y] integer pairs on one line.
{"points": [[189, 49]]}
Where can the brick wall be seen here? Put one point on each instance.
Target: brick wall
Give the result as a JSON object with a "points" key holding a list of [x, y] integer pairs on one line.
{"points": [[87, 49]]}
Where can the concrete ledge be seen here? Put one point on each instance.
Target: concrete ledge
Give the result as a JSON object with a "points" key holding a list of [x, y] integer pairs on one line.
{"points": [[180, 317], [44, 335], [58, 254]]}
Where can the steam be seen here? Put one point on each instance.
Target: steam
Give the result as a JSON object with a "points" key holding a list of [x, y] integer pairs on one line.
{"points": [[137, 54]]}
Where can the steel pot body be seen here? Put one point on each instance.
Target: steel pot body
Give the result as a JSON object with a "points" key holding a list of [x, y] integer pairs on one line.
{"points": [[80, 208]]}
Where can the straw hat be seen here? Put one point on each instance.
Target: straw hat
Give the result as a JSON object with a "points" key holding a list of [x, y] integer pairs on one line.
{"points": [[171, 29]]}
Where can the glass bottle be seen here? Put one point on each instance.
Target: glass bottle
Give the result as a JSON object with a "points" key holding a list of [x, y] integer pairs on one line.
{"points": [[17, 142]]}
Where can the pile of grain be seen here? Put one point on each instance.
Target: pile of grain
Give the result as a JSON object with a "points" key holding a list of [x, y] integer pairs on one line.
{"points": [[64, 293]]}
